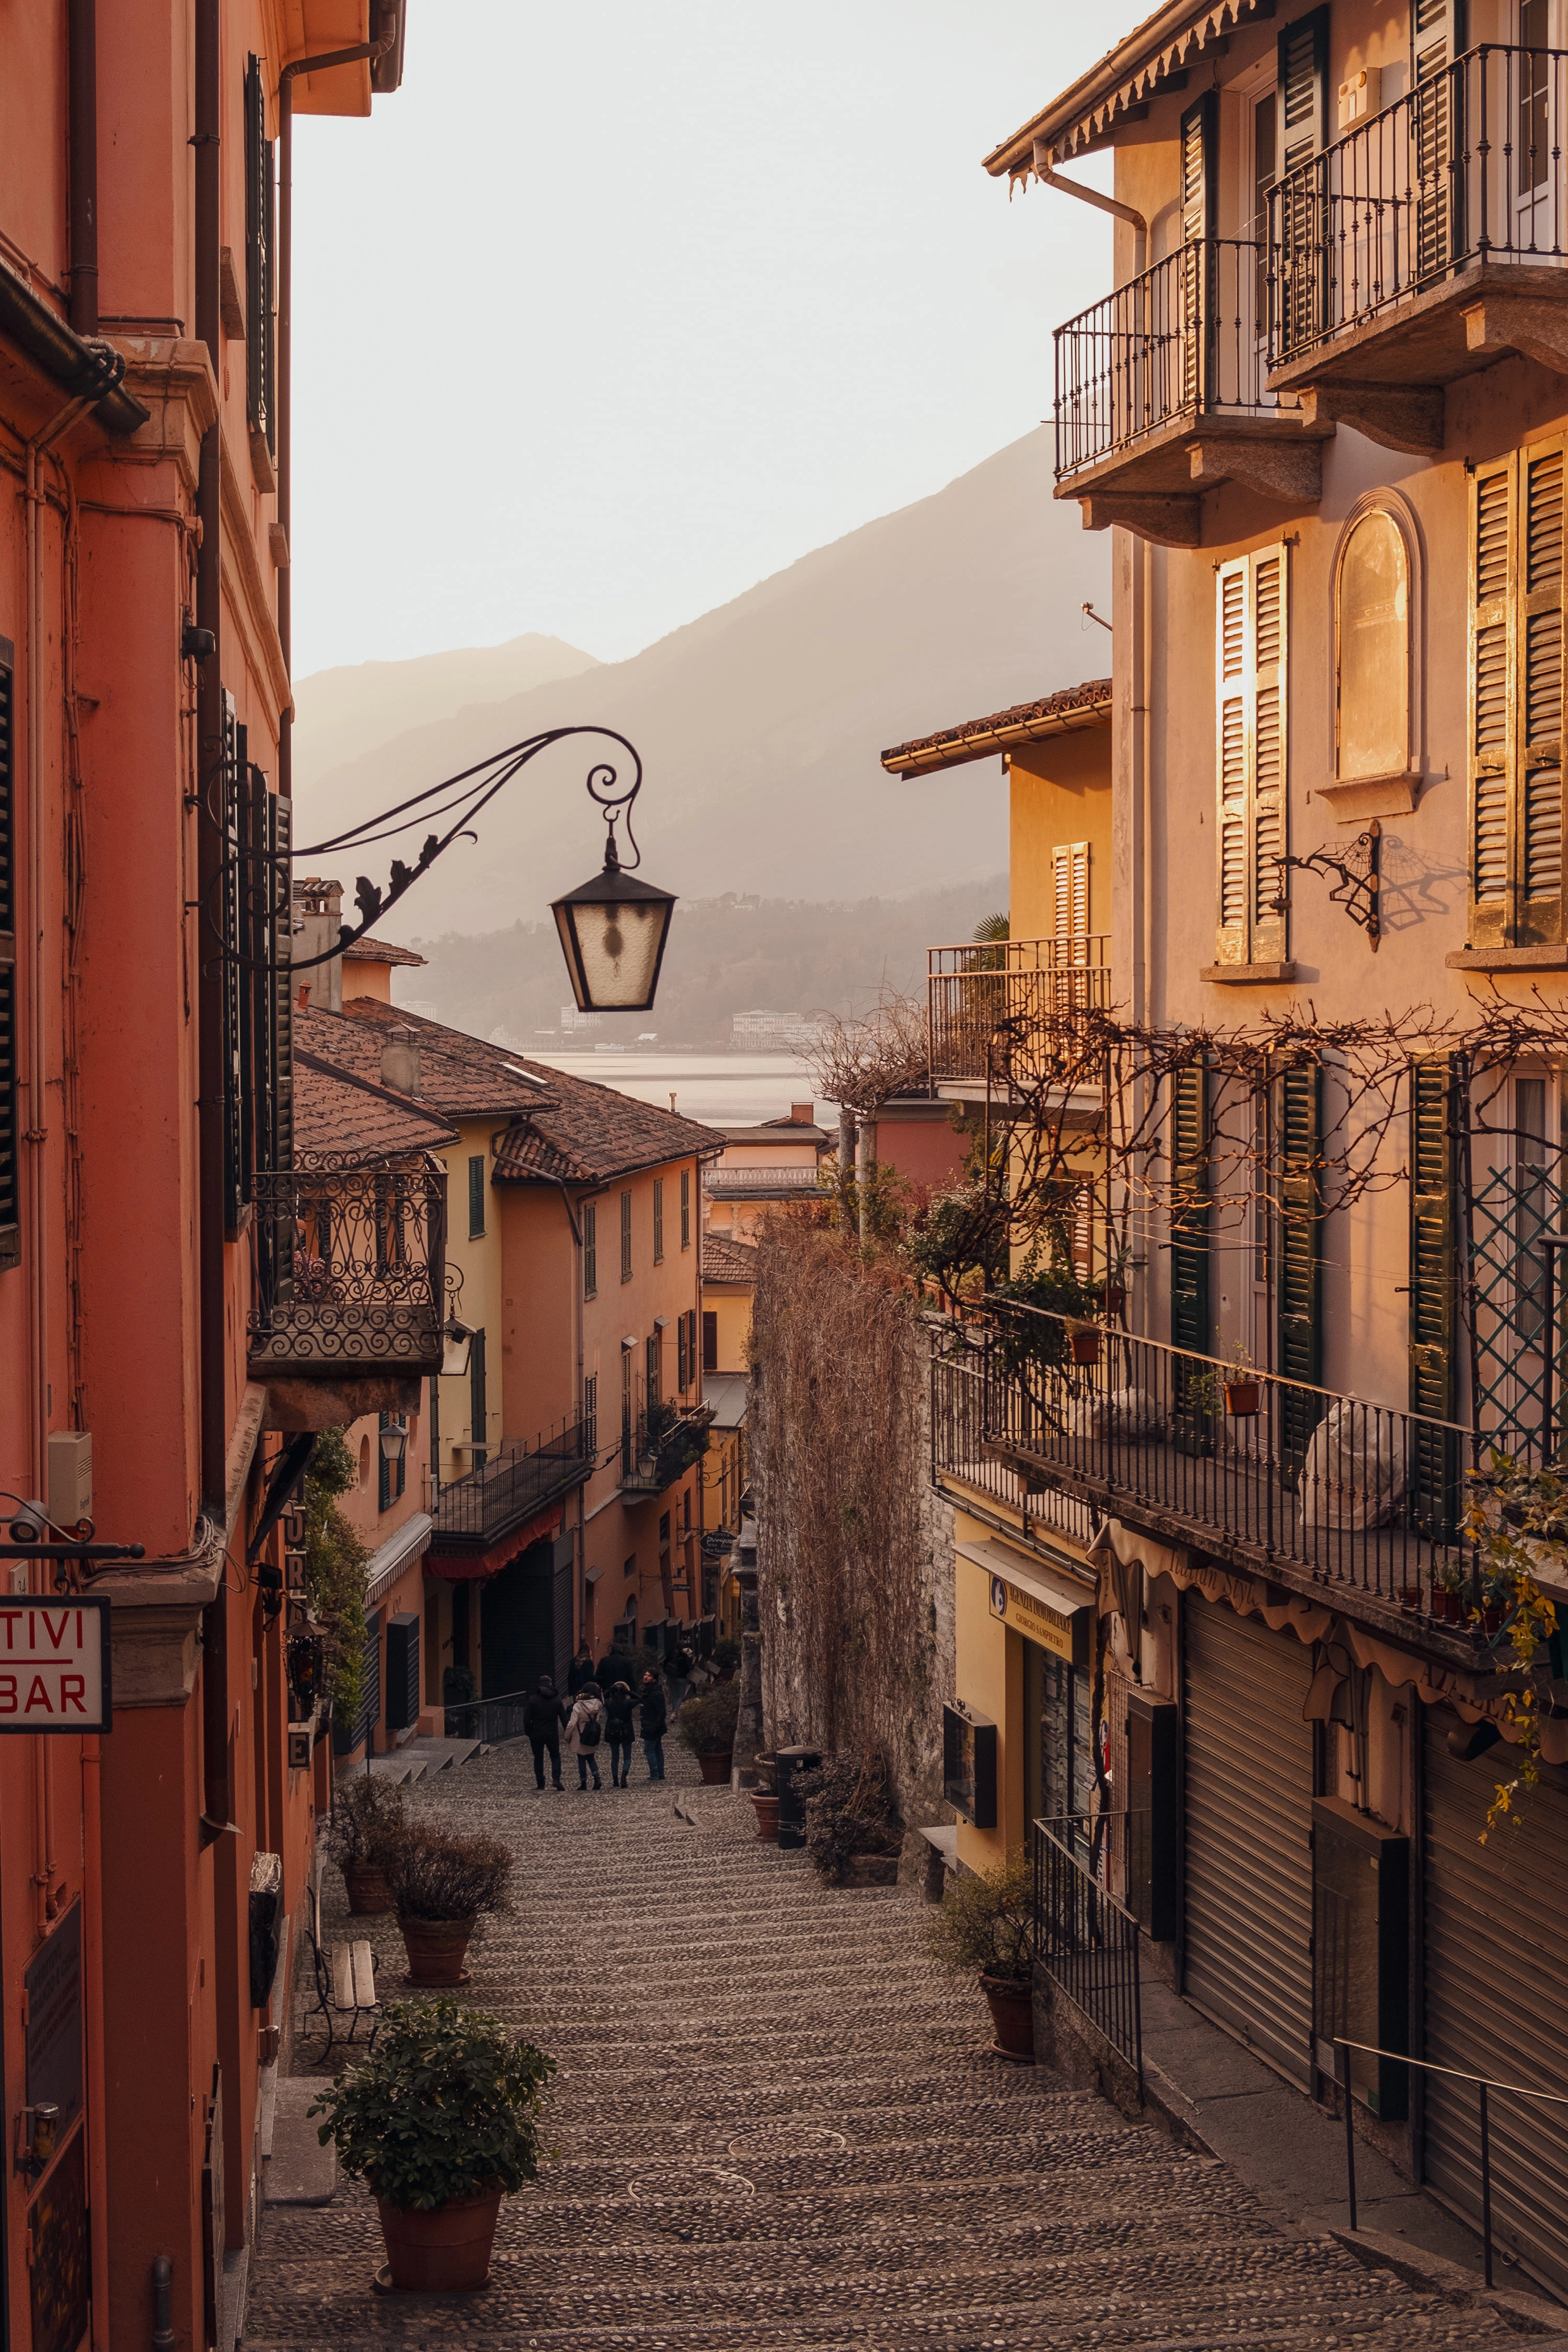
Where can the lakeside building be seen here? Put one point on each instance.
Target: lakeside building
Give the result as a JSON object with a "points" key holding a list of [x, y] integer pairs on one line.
{"points": [[163, 1367], [1323, 412]]}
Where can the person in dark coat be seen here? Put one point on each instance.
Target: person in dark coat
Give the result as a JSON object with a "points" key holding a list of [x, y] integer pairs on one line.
{"points": [[655, 1719], [615, 1668], [542, 1718], [582, 1670], [678, 1675], [618, 1732]]}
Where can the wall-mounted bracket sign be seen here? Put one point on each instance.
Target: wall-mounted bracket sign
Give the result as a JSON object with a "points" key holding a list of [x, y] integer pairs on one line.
{"points": [[55, 1659]]}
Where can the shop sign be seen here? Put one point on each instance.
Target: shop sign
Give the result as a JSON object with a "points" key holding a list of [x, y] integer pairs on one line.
{"points": [[1035, 1619], [55, 1665]]}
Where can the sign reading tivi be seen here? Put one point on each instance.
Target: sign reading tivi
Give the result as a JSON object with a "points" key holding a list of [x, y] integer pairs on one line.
{"points": [[55, 1665]]}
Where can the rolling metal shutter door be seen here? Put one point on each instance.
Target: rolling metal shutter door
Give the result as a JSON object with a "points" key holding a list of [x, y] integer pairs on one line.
{"points": [[1248, 1778], [1497, 1996]]}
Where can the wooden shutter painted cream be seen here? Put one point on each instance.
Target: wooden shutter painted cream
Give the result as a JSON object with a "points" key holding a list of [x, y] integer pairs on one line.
{"points": [[1518, 547], [1252, 731], [1069, 876]]}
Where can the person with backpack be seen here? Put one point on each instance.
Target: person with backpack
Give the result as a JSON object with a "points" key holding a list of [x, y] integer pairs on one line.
{"points": [[584, 1729], [655, 1719], [541, 1720], [618, 1732]]}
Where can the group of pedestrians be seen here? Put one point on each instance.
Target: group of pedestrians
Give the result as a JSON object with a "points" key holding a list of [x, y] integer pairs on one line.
{"points": [[602, 1704]]}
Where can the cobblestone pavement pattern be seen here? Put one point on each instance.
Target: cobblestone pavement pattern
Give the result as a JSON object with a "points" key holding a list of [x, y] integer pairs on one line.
{"points": [[779, 2123]]}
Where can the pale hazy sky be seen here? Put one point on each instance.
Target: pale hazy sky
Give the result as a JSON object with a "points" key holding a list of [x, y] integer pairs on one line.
{"points": [[615, 308]]}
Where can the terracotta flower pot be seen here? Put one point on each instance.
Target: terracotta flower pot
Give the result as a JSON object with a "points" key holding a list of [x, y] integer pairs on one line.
{"points": [[1410, 1598], [1445, 1605], [369, 1892], [1011, 2018], [446, 2252], [436, 1949], [1493, 1612], [1084, 1346], [1241, 1399], [716, 1769], [767, 1809], [1115, 1298]]}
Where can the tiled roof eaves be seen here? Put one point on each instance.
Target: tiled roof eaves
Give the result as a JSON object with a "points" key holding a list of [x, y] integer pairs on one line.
{"points": [[369, 951], [428, 1133], [1074, 710]]}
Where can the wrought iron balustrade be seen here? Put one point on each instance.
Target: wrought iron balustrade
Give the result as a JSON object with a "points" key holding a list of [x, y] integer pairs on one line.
{"points": [[1360, 1495], [659, 1444], [981, 998], [1185, 339], [1084, 1938], [348, 1269], [515, 1484], [1466, 168]]}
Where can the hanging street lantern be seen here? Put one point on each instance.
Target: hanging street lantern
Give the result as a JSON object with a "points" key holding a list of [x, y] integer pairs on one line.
{"points": [[613, 931], [456, 1346], [394, 1441]]}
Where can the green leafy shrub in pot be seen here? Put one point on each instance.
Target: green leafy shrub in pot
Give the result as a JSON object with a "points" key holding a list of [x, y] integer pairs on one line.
{"points": [[370, 1821], [445, 2107], [708, 1724], [440, 1874], [986, 1922], [726, 1655]]}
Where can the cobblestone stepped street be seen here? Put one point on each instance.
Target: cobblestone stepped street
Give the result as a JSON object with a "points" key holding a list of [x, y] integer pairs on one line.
{"points": [[780, 2124]]}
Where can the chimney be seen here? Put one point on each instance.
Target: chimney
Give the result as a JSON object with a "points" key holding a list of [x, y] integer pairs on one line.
{"points": [[400, 1061], [318, 919], [803, 1113]]}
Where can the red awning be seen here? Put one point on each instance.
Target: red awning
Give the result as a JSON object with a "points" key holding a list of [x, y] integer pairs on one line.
{"points": [[458, 1566]]}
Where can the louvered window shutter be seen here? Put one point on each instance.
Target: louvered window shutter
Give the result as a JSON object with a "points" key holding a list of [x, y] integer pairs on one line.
{"points": [[1252, 732], [276, 983], [1069, 873], [1190, 1210], [233, 789], [1493, 571], [1198, 130], [10, 1203], [1300, 1351], [1540, 716], [1298, 212], [1304, 88], [1434, 1277]]}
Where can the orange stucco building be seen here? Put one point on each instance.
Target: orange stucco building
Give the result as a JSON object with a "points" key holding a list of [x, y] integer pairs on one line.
{"points": [[150, 1198]]}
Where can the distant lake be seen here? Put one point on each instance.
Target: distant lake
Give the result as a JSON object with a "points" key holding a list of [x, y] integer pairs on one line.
{"points": [[722, 1089]]}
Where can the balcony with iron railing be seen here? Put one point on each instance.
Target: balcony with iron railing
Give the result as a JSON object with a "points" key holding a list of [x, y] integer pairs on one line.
{"points": [[659, 1443], [984, 1003], [1161, 393], [474, 1513], [1323, 1493], [349, 1270], [1430, 240]]}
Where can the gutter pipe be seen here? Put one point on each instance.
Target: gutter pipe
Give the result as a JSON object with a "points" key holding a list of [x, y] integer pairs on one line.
{"points": [[1110, 204], [375, 51], [81, 38], [88, 371]]}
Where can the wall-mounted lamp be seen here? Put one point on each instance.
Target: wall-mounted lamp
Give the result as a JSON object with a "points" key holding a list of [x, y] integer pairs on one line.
{"points": [[394, 1442], [456, 1346]]}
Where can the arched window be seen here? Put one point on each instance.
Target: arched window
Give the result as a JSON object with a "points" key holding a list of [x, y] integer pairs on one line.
{"points": [[1373, 651]]}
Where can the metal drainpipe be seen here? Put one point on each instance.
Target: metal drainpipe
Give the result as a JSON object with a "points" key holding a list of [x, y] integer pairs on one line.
{"points": [[82, 51], [285, 389]]}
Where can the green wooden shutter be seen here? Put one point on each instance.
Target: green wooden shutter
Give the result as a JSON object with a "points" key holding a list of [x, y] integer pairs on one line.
{"points": [[231, 795], [1492, 573], [475, 1195], [1190, 1210], [1300, 1348], [479, 1416], [279, 981], [1539, 668], [1434, 1277]]}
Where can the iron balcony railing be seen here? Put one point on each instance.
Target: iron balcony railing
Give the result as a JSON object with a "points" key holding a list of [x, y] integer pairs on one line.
{"points": [[1360, 1495], [982, 1001], [1466, 168], [659, 1444], [488, 1721], [1185, 339], [349, 1268], [1084, 1939], [514, 1485]]}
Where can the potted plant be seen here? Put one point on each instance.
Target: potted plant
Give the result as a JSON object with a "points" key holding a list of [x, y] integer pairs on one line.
{"points": [[986, 1922], [850, 1833], [441, 2121], [369, 1824], [1083, 1338], [765, 1799], [708, 1726], [1243, 1390], [1497, 1597], [441, 1881], [1448, 1593]]}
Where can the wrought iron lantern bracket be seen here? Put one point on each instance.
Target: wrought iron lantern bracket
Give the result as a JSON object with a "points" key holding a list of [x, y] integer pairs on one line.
{"points": [[1359, 894]]}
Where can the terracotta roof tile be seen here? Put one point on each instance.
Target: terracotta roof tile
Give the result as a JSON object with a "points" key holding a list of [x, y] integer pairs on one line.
{"points": [[369, 951], [724, 1260], [336, 1111], [460, 1077], [978, 738]]}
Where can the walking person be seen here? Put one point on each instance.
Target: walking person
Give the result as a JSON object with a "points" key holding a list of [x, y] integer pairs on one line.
{"points": [[581, 1670], [655, 1721], [584, 1729], [678, 1675], [618, 1732], [542, 1718]]}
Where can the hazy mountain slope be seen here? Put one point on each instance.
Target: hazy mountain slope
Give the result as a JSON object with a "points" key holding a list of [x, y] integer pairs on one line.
{"points": [[724, 956], [341, 714], [759, 724]]}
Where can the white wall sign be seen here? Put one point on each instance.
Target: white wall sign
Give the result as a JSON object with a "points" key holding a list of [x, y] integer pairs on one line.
{"points": [[55, 1664]]}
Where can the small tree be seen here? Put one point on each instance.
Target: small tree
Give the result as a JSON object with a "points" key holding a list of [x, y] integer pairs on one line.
{"points": [[861, 1064], [336, 1562]]}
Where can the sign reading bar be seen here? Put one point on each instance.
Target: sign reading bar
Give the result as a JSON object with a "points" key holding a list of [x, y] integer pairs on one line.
{"points": [[55, 1665]]}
